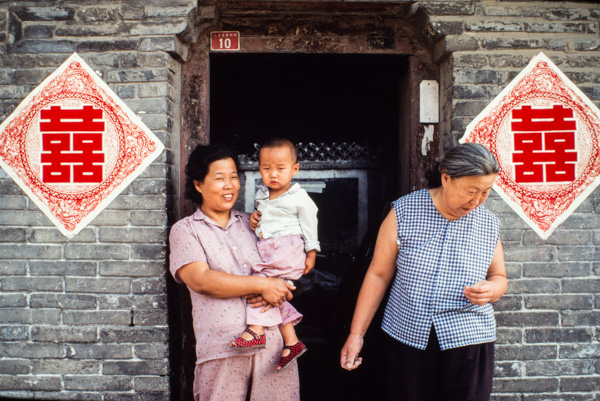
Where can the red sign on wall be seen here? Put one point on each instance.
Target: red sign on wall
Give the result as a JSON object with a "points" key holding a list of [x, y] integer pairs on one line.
{"points": [[225, 40], [544, 144], [72, 145], [545, 134]]}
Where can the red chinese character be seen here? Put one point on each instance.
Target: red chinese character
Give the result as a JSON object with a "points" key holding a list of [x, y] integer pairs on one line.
{"points": [[544, 144], [62, 120], [69, 156]]}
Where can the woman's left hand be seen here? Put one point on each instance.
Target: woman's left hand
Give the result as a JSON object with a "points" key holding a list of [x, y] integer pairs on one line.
{"points": [[480, 293], [256, 300], [491, 289]]}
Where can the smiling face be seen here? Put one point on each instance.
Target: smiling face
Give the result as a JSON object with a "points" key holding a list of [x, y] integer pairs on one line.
{"points": [[220, 188], [277, 167], [459, 196]]}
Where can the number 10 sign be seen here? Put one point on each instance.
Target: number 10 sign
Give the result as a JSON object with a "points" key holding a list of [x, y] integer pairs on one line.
{"points": [[225, 40]]}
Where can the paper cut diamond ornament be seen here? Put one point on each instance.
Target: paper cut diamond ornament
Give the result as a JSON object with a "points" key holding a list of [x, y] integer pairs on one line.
{"points": [[72, 145], [545, 134]]}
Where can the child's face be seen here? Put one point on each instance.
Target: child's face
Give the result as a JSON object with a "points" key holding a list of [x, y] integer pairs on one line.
{"points": [[277, 167]]}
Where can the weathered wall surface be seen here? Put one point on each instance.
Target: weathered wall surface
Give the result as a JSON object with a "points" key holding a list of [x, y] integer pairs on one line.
{"points": [[87, 318], [549, 321]]}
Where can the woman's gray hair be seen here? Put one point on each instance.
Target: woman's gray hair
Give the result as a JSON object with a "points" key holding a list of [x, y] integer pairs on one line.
{"points": [[467, 159]]}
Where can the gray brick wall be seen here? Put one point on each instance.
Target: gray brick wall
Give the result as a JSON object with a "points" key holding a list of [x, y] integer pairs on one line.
{"points": [[548, 322], [87, 318]]}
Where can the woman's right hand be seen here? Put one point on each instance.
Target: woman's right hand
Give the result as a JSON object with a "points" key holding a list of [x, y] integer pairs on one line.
{"points": [[276, 291], [349, 358]]}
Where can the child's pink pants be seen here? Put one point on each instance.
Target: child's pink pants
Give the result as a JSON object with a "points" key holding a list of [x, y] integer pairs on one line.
{"points": [[282, 257]]}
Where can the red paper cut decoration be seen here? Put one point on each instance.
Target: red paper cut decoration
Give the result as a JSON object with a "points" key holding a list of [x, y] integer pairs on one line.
{"points": [[72, 145], [545, 134]]}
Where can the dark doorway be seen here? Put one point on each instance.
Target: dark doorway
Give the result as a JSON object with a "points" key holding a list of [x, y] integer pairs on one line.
{"points": [[307, 98], [318, 98]]}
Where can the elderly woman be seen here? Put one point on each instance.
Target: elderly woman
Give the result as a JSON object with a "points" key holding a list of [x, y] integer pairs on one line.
{"points": [[440, 249], [211, 252]]}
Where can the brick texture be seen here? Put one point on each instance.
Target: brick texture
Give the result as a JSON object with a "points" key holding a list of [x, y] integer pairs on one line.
{"points": [[547, 345], [87, 318]]}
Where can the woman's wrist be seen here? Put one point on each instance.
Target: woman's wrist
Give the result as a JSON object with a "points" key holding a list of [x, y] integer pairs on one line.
{"points": [[498, 284], [261, 284], [358, 335]]}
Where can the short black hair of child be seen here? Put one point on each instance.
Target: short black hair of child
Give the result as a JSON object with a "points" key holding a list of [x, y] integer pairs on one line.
{"points": [[280, 143]]}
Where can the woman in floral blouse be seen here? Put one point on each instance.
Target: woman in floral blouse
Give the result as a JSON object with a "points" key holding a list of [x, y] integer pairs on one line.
{"points": [[211, 252]]}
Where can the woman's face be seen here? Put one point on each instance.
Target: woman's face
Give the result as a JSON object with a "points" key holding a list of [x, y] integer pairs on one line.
{"points": [[461, 195], [220, 187]]}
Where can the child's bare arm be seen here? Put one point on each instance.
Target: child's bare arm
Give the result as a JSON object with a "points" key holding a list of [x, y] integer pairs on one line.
{"points": [[311, 256], [255, 219]]}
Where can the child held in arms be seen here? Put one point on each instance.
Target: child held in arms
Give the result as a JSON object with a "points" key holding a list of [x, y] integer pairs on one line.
{"points": [[285, 222]]}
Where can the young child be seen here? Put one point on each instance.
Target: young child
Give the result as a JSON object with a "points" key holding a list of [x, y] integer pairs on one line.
{"points": [[287, 243]]}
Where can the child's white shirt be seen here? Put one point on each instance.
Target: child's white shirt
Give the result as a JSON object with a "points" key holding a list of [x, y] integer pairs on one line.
{"points": [[292, 213]]}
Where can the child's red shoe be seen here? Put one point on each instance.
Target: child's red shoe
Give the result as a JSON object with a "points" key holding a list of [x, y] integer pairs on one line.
{"points": [[258, 341], [296, 351]]}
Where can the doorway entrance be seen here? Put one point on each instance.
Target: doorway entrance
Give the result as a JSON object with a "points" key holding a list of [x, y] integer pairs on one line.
{"points": [[315, 98], [326, 101]]}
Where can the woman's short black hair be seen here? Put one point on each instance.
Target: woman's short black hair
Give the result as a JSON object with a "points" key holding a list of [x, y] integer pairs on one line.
{"points": [[467, 159], [199, 163]]}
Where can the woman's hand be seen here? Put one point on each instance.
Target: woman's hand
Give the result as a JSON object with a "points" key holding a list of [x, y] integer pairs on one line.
{"points": [[379, 275], [276, 291], [349, 358], [255, 300], [494, 286], [255, 219], [480, 293]]}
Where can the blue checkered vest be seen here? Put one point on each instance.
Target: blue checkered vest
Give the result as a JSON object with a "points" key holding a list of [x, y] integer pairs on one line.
{"points": [[437, 258]]}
